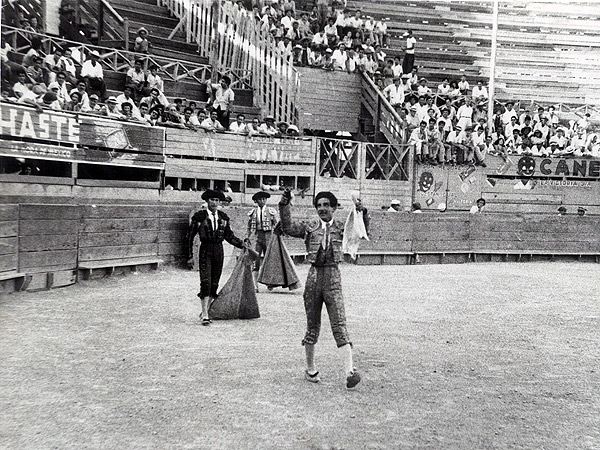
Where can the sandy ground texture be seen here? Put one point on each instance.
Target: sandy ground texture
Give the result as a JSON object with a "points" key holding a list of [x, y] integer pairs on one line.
{"points": [[474, 356]]}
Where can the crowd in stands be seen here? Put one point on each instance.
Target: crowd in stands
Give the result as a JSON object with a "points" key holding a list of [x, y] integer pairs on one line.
{"points": [[67, 80], [449, 126]]}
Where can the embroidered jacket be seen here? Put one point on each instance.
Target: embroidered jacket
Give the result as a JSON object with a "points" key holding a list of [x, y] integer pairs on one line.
{"points": [[312, 231], [269, 219], [202, 225]]}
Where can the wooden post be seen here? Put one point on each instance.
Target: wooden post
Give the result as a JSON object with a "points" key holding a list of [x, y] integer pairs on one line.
{"points": [[77, 7], [491, 83], [126, 32], [100, 20]]}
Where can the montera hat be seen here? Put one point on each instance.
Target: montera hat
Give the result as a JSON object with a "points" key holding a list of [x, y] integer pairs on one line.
{"points": [[211, 193], [333, 201], [260, 194]]}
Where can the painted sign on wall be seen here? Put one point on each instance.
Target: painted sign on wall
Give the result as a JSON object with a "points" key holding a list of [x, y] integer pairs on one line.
{"points": [[29, 123]]}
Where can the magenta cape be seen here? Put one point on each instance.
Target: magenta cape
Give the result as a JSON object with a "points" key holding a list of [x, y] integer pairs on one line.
{"points": [[237, 298], [277, 268]]}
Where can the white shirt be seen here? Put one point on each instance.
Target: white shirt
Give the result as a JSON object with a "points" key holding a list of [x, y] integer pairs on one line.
{"points": [[397, 70], [339, 59], [410, 45], [223, 97], [238, 128], [89, 70], [480, 92], [394, 94], [214, 219]]}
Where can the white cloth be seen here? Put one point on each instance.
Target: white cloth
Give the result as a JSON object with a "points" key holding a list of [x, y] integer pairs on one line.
{"points": [[354, 230], [92, 71]]}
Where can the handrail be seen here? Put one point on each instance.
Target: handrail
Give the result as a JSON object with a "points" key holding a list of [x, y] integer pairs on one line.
{"points": [[99, 16], [119, 60]]}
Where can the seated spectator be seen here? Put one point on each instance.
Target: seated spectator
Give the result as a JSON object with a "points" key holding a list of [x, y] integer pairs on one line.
{"points": [[74, 103], [381, 32], [417, 141], [136, 79], [577, 146], [304, 26], [52, 64], [155, 98], [153, 80], [473, 154], [508, 113], [254, 127], [268, 127], [144, 112], [127, 111], [423, 89], [451, 109], [190, 120], [239, 125], [35, 72], [584, 122], [306, 56], [514, 143], [127, 97], [465, 114], [435, 142], [55, 89], [92, 71], [449, 146], [81, 87], [463, 85], [331, 32], [379, 55], [212, 123], [155, 117], [33, 97], [282, 128], [49, 100], [67, 64], [293, 131], [110, 109], [535, 145], [592, 146], [35, 50], [340, 57], [444, 89], [315, 20], [142, 44], [543, 128], [395, 206], [319, 41], [341, 23], [560, 139], [553, 120], [295, 35], [479, 93], [93, 107], [68, 28], [508, 129], [224, 98], [22, 84]]}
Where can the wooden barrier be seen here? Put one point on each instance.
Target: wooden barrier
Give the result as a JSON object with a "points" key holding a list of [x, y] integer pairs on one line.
{"points": [[48, 242], [45, 246]]}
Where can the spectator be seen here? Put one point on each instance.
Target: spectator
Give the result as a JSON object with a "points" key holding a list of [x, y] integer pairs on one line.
{"points": [[35, 72], [110, 108], [293, 131], [142, 44], [304, 26], [224, 98], [584, 122], [282, 128], [423, 89], [479, 93], [144, 112], [553, 119], [254, 127], [418, 140], [153, 80], [463, 85], [340, 57], [416, 208], [444, 89], [127, 97], [331, 32], [93, 107], [74, 103], [136, 79], [68, 66], [543, 128], [319, 41], [409, 54], [268, 127], [68, 28], [341, 23], [33, 97], [239, 125], [92, 71], [369, 28], [53, 64], [508, 113], [36, 27], [395, 206], [562, 210], [212, 123], [465, 114], [381, 34], [323, 11], [315, 20], [394, 93], [155, 98], [35, 50], [190, 120], [478, 207], [21, 85]]}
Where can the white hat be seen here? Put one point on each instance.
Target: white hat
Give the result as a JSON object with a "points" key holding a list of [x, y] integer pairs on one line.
{"points": [[395, 202], [95, 53]]}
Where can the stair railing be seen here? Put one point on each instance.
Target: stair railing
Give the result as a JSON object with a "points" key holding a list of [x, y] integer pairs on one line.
{"points": [[110, 26]]}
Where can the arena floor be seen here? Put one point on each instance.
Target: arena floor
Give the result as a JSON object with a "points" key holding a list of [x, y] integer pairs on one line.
{"points": [[475, 356]]}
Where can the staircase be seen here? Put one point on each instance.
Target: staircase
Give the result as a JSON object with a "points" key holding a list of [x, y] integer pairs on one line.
{"points": [[160, 25]]}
